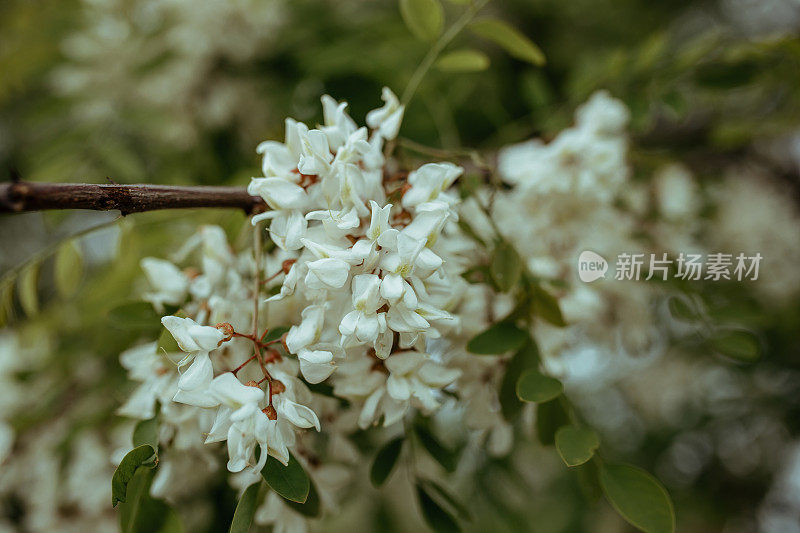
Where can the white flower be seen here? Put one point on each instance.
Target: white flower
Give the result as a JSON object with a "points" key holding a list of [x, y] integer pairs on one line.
{"points": [[327, 273], [363, 324], [315, 365], [387, 118], [244, 425], [279, 193], [338, 124], [191, 336], [288, 228], [379, 229], [414, 374], [316, 157], [308, 331], [428, 181], [194, 383], [146, 365], [169, 283]]}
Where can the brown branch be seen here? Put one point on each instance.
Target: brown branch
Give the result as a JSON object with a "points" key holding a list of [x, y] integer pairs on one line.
{"points": [[20, 196]]}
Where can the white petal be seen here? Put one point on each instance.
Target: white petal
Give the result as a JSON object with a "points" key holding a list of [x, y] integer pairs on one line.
{"points": [[198, 375], [398, 387], [299, 415]]}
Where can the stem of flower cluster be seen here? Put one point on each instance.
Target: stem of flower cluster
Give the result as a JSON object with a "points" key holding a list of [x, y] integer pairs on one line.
{"points": [[256, 294]]}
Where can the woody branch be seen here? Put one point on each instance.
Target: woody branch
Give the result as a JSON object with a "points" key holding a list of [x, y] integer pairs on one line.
{"points": [[16, 197]]}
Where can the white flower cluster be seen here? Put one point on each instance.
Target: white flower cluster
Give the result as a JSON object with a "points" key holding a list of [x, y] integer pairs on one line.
{"points": [[145, 54], [375, 280], [370, 279], [568, 192]]}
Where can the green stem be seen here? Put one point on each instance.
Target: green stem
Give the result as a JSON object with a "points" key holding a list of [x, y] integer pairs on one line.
{"points": [[436, 49]]}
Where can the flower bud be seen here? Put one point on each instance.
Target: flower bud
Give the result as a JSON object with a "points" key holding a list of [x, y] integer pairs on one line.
{"points": [[227, 329], [271, 413], [287, 265], [277, 387]]}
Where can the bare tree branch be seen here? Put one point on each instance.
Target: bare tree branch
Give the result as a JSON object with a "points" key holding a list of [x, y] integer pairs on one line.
{"points": [[21, 196]]}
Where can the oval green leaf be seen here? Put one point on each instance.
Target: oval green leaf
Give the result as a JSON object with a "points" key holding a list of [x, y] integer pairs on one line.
{"points": [[275, 333], [550, 416], [290, 481], [436, 490], [638, 497], [545, 306], [514, 42], [444, 456], [146, 432], [465, 60], [738, 344], [245, 510], [533, 386], [68, 269], [139, 456], [576, 445], [28, 288], [506, 266], [424, 18], [527, 357], [311, 507], [498, 339], [384, 462], [137, 316], [437, 518]]}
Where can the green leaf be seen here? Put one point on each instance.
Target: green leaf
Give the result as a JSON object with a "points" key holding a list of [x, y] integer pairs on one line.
{"points": [[464, 60], [538, 388], [130, 511], [312, 506], [445, 457], [139, 316], [139, 456], [6, 302], [245, 510], [576, 445], [477, 274], [527, 357], [437, 518], [497, 339], [143, 514], [514, 42], [275, 333], [438, 492], [146, 432], [290, 482], [424, 18], [546, 307], [68, 269], [171, 523], [549, 417], [638, 497], [385, 461], [738, 344], [681, 309], [506, 266], [27, 288]]}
